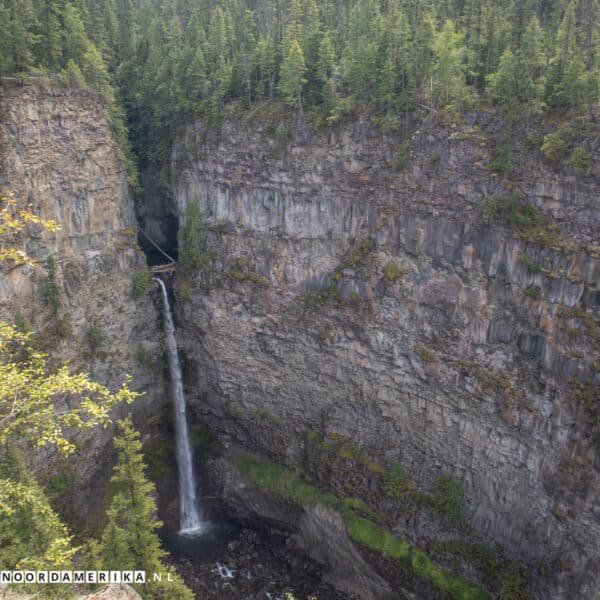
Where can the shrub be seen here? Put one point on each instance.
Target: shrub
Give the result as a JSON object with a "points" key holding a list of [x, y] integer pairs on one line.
{"points": [[58, 484], [401, 157], [94, 338], [51, 289], [185, 289], [392, 272], [395, 483], [534, 291], [141, 283], [281, 132], [63, 326], [554, 147], [528, 262], [144, 357], [447, 498], [22, 325], [192, 239], [581, 160], [533, 140]]}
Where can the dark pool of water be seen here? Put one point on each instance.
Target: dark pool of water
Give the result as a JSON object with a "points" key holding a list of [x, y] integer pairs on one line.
{"points": [[209, 545]]}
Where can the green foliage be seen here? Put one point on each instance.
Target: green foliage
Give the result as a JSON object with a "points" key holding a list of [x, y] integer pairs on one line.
{"points": [[283, 482], [239, 270], [514, 211], [22, 325], [129, 540], [141, 283], [33, 537], [554, 147], [292, 74], [328, 295], [211, 60], [94, 337], [401, 157], [63, 327], [534, 292], [532, 265], [51, 287], [144, 357], [507, 576], [345, 449], [185, 289], [58, 484], [581, 160], [395, 483], [426, 355], [30, 389], [358, 253], [191, 255], [447, 499]]}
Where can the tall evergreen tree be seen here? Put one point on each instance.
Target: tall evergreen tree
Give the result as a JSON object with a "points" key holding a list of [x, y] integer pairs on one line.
{"points": [[129, 541], [566, 83], [449, 84], [292, 78]]}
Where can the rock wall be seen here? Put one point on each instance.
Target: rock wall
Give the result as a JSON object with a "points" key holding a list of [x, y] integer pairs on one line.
{"points": [[59, 156], [475, 355]]}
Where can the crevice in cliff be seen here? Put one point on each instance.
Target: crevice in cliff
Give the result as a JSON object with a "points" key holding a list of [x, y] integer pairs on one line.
{"points": [[157, 218]]}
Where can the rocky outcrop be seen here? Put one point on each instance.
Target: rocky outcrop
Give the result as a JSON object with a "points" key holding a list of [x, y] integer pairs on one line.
{"points": [[356, 287], [59, 157]]}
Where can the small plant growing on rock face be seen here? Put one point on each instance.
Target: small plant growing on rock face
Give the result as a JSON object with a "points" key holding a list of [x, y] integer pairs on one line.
{"points": [[144, 357], [581, 160], [63, 326], [534, 291], [401, 157], [395, 483], [392, 272], [192, 239], [51, 289], [528, 262], [94, 338], [281, 132], [141, 283], [554, 147], [22, 325], [447, 498]]}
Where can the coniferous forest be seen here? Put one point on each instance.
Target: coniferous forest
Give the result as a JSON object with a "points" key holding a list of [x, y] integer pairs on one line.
{"points": [[452, 306], [158, 64]]}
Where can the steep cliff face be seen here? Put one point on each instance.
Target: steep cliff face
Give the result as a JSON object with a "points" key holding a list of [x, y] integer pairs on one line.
{"points": [[59, 156], [361, 288]]}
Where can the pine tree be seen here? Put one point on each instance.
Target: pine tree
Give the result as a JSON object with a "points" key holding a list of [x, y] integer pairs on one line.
{"points": [[532, 60], [50, 18], [129, 540], [217, 51], [566, 81], [291, 75], [449, 85], [327, 72], [503, 85], [76, 41], [360, 62]]}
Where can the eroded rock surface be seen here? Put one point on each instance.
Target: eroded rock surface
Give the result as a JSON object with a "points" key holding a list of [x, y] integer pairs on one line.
{"points": [[474, 356], [59, 157]]}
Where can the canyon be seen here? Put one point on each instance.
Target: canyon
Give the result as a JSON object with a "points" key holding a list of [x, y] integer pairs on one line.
{"points": [[357, 310]]}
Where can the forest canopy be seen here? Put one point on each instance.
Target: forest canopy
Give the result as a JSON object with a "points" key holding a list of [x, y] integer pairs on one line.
{"points": [[173, 61]]}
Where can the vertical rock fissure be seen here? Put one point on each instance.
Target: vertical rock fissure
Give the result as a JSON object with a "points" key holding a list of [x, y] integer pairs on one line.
{"points": [[190, 519]]}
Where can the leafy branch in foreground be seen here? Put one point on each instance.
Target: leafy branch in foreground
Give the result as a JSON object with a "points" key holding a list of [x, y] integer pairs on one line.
{"points": [[41, 405], [14, 220]]}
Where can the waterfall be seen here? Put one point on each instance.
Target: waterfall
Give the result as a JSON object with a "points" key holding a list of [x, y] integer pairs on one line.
{"points": [[190, 519]]}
